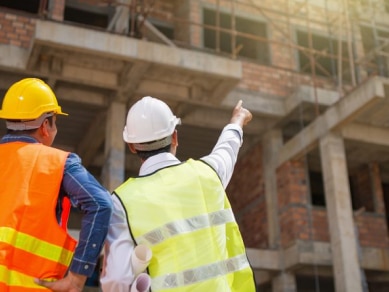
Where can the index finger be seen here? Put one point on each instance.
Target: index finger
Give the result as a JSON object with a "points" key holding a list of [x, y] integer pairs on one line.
{"points": [[43, 283], [239, 104]]}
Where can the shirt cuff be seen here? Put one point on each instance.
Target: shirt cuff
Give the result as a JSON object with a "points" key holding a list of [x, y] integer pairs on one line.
{"points": [[82, 267], [236, 128]]}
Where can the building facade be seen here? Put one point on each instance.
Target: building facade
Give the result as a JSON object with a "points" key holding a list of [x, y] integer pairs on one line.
{"points": [[310, 190]]}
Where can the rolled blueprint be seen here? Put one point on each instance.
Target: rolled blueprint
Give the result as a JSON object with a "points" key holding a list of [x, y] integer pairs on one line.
{"points": [[141, 283], [140, 258]]}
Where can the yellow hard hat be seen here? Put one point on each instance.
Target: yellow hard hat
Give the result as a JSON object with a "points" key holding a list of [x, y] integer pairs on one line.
{"points": [[28, 99]]}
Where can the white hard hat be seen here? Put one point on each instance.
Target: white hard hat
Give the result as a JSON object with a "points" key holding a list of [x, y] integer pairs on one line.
{"points": [[149, 119]]}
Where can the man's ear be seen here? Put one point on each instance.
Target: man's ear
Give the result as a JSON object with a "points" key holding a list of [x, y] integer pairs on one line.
{"points": [[132, 148], [175, 138], [43, 129]]}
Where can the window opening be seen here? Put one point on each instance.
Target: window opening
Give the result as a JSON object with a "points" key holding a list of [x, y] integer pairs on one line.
{"points": [[246, 43]]}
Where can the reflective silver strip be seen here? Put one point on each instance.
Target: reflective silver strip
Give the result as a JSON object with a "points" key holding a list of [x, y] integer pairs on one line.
{"points": [[28, 124], [184, 226], [199, 274], [154, 145]]}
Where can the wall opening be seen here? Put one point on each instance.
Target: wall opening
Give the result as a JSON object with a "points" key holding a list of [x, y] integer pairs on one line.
{"points": [[246, 47], [361, 190], [325, 65], [30, 6], [372, 39], [86, 14]]}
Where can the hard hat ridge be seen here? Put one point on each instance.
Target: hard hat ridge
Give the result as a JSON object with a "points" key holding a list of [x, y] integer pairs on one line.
{"points": [[148, 120]]}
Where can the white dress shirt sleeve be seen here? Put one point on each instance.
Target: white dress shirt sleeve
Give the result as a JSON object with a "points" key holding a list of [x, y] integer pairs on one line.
{"points": [[225, 153], [117, 274]]}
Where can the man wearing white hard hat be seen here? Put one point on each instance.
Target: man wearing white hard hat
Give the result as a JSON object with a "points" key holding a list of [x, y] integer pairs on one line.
{"points": [[178, 210]]}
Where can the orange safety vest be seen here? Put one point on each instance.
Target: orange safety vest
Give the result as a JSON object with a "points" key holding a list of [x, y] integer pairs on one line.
{"points": [[32, 244]]}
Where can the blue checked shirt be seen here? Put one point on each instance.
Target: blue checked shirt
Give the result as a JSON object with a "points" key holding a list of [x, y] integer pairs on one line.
{"points": [[87, 195]]}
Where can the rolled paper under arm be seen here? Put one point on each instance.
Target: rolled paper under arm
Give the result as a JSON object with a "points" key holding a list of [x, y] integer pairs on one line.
{"points": [[141, 283], [140, 258]]}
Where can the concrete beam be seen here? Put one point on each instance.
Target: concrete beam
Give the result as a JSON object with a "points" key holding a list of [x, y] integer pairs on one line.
{"points": [[256, 104], [80, 95], [334, 117], [89, 75], [366, 133], [215, 118], [13, 57], [220, 91], [307, 254], [116, 46], [306, 93], [261, 259], [161, 89], [130, 78], [311, 253], [375, 259]]}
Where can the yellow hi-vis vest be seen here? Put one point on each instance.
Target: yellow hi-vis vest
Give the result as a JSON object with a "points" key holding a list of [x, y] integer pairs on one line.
{"points": [[182, 213], [32, 244]]}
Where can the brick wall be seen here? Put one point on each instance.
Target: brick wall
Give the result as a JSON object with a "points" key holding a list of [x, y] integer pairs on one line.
{"points": [[247, 197], [294, 214], [266, 80], [16, 29], [373, 231], [297, 219], [320, 229]]}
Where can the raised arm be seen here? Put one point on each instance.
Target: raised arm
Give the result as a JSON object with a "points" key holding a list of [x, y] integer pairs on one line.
{"points": [[224, 155]]}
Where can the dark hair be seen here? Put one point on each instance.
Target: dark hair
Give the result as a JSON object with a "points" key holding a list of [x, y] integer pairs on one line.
{"points": [[28, 132], [146, 154]]}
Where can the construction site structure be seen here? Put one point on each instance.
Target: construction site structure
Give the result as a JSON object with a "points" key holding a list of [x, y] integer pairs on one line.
{"points": [[310, 190]]}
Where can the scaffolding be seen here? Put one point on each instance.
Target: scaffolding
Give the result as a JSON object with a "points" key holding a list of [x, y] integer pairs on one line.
{"points": [[343, 42], [344, 25]]}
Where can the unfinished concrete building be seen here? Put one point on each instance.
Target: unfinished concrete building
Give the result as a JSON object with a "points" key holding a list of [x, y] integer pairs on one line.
{"points": [[311, 187]]}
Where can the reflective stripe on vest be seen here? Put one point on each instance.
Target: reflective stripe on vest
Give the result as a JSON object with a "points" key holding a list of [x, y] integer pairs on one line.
{"points": [[32, 244], [176, 211], [193, 276], [186, 225], [18, 281], [34, 249]]}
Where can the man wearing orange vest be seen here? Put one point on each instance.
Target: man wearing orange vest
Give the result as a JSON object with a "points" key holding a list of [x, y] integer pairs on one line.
{"points": [[38, 185], [179, 210]]}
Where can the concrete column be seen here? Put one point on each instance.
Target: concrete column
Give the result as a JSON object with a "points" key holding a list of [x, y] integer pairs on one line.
{"points": [[114, 166], [339, 212], [56, 9], [377, 189], [184, 31], [272, 142], [182, 11], [284, 282]]}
